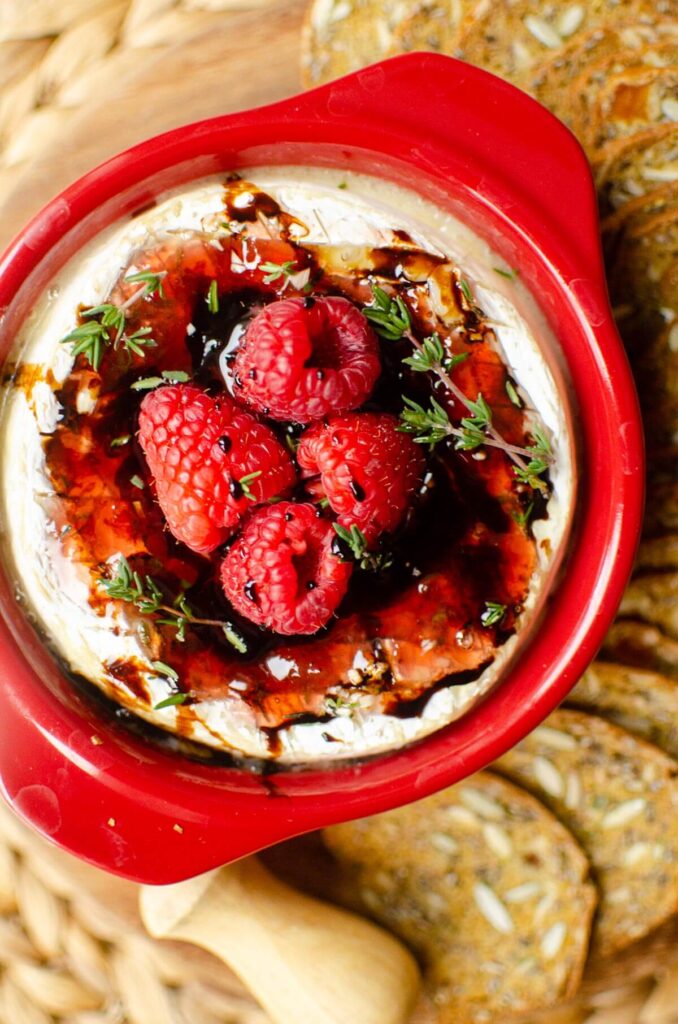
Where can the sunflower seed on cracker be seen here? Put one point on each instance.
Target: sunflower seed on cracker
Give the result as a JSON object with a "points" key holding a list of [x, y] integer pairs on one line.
{"points": [[513, 37], [518, 892], [643, 702], [339, 36], [629, 796]]}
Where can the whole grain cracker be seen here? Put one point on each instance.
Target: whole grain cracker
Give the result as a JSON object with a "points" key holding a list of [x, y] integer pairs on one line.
{"points": [[643, 284], [653, 598], [485, 886], [339, 36], [633, 101], [515, 36], [658, 552], [638, 210], [435, 25], [618, 795], [643, 702], [552, 82], [592, 81], [643, 646], [636, 165]]}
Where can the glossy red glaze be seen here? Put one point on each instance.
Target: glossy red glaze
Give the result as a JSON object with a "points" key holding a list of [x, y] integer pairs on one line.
{"points": [[484, 150]]}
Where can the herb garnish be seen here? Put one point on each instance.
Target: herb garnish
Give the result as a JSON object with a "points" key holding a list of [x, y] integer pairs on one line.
{"points": [[144, 593], [391, 319], [510, 274], [212, 299], [523, 518], [166, 376], [105, 324], [493, 613], [466, 290], [245, 482], [276, 271], [356, 542], [171, 701], [514, 397], [152, 283], [432, 353]]}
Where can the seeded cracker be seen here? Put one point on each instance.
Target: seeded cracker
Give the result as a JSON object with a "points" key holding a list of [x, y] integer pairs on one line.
{"points": [[552, 81], [632, 214], [642, 645], [343, 35], [632, 101], [634, 166], [485, 886], [515, 36], [619, 797], [645, 703], [654, 599], [435, 25], [658, 552]]}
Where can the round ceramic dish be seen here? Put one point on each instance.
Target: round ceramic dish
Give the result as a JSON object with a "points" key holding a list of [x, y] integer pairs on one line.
{"points": [[469, 143]]}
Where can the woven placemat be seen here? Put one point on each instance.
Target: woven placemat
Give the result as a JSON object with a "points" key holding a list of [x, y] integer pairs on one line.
{"points": [[79, 81]]}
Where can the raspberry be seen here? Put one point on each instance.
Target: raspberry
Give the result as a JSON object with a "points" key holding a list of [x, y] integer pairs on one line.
{"points": [[301, 359], [369, 471], [198, 448], [282, 572]]}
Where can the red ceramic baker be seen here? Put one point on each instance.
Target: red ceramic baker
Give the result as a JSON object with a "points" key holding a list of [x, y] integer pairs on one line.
{"points": [[472, 147]]}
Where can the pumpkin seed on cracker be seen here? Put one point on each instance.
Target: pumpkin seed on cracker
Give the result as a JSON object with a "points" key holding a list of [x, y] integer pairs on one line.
{"points": [[644, 703], [486, 887], [515, 36], [340, 36], [618, 795]]}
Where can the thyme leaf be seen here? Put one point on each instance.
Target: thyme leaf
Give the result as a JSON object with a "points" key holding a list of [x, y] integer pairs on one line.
{"points": [[493, 613], [213, 298], [277, 271], [356, 542], [143, 592], [389, 317]]}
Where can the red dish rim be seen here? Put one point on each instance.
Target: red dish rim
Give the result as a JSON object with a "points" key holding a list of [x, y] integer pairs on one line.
{"points": [[485, 150]]}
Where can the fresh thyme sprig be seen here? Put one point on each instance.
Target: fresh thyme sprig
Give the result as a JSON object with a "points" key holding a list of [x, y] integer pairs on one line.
{"points": [[151, 281], [541, 458], [391, 319], [212, 299], [245, 482], [427, 426], [166, 377], [144, 593], [275, 271], [432, 354], [432, 425], [493, 613], [105, 324], [356, 542]]}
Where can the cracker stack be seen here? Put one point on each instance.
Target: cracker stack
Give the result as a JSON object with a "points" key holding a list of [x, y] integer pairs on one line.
{"points": [[609, 70], [457, 875]]}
